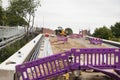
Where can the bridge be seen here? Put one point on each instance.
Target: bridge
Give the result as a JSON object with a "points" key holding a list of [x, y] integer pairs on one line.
{"points": [[39, 63]]}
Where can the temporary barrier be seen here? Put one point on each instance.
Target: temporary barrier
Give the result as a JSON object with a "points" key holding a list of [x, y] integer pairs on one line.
{"points": [[75, 36], [76, 59], [112, 74], [62, 38], [95, 41], [106, 58], [44, 68]]}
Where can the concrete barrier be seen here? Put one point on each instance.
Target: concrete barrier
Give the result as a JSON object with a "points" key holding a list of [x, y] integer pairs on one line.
{"points": [[7, 68], [114, 43]]}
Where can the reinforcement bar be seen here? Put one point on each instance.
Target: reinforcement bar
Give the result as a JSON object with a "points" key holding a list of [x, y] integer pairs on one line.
{"points": [[75, 59]]}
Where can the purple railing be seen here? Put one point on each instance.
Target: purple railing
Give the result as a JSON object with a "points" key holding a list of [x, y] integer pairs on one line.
{"points": [[41, 69], [113, 75], [107, 58], [75, 36], [44, 68], [62, 38], [95, 41]]}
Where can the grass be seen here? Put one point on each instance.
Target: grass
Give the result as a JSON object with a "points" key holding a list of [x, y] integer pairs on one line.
{"points": [[115, 39]]}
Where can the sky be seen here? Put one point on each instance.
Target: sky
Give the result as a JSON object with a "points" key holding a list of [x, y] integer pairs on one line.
{"points": [[77, 14]]}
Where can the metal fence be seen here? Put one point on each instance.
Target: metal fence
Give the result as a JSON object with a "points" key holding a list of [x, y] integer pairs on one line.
{"points": [[76, 59], [95, 40]]}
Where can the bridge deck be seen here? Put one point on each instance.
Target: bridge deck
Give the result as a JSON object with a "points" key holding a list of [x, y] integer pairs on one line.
{"points": [[74, 43], [59, 63], [79, 43]]}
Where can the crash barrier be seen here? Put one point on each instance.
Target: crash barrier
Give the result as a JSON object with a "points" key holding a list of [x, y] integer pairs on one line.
{"points": [[9, 32], [7, 68], [75, 59], [95, 40], [75, 36], [62, 38], [113, 43]]}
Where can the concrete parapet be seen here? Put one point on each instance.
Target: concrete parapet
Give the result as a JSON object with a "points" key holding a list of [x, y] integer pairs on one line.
{"points": [[7, 68]]}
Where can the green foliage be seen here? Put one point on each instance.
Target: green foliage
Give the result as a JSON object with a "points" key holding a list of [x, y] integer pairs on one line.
{"points": [[116, 30], [68, 31], [1, 15], [57, 32], [103, 32], [24, 8], [113, 33], [115, 39], [17, 12], [12, 19]]}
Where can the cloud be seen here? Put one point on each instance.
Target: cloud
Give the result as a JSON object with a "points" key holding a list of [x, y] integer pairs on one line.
{"points": [[86, 14]]}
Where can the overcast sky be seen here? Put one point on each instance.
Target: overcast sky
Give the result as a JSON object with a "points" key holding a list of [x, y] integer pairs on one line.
{"points": [[77, 14]]}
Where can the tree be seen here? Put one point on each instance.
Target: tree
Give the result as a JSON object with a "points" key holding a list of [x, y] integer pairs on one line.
{"points": [[0, 2], [25, 9], [68, 31], [12, 19], [116, 30], [1, 15], [103, 32], [56, 32]]}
